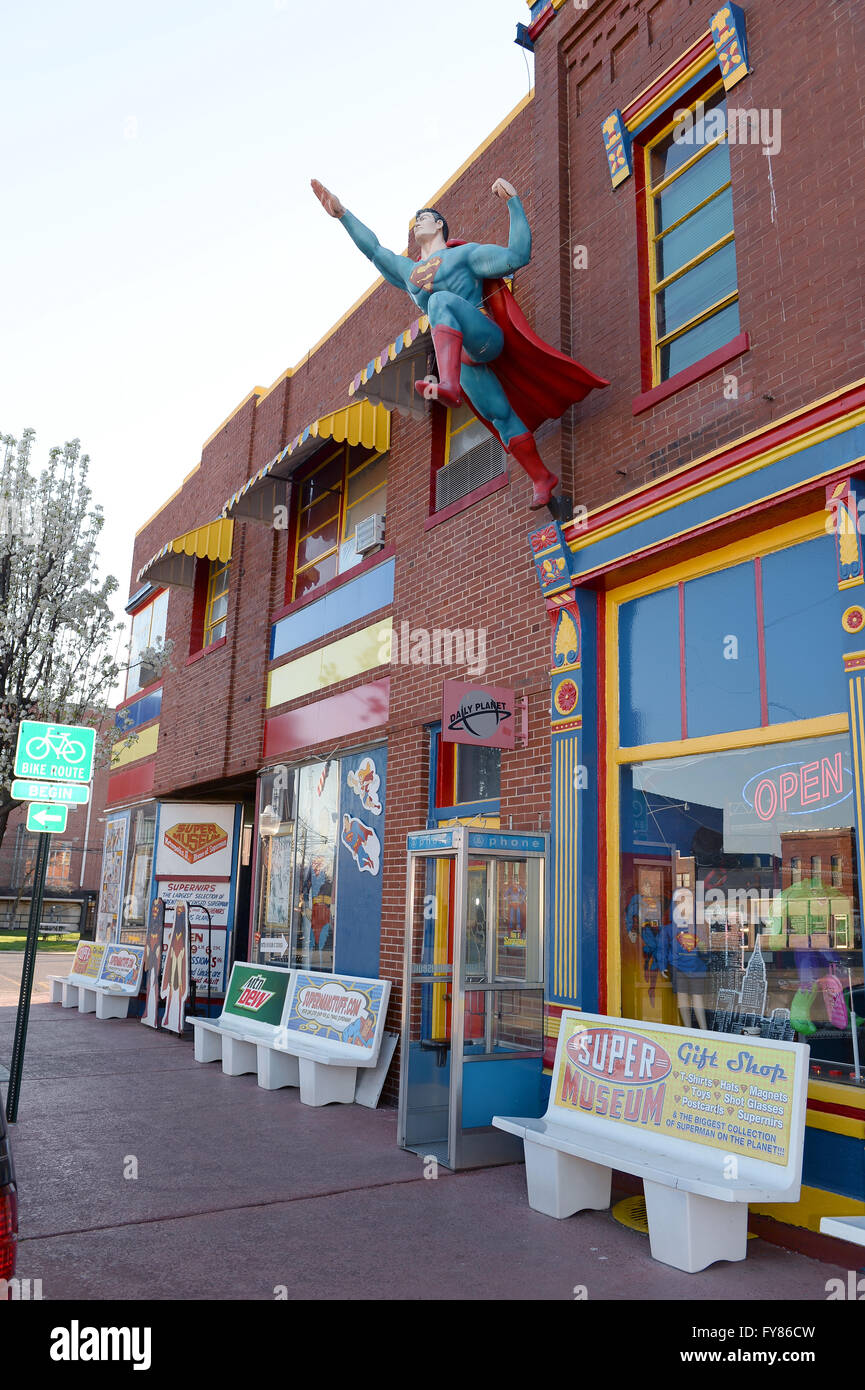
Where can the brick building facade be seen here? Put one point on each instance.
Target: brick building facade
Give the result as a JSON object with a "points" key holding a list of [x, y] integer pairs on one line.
{"points": [[696, 611]]}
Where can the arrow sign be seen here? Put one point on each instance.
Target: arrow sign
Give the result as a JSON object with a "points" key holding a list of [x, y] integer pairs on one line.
{"points": [[270, 945], [49, 820], [54, 752], [69, 793]]}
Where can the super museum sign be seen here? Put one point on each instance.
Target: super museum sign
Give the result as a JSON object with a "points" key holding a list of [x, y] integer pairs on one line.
{"points": [[706, 1088]]}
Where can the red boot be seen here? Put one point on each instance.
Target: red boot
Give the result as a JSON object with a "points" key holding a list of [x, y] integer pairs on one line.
{"points": [[525, 451], [448, 345]]}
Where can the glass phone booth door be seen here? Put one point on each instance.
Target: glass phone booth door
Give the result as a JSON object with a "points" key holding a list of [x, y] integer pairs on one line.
{"points": [[473, 994]]}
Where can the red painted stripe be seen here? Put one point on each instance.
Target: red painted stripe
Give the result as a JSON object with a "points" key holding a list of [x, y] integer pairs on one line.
{"points": [[761, 644], [730, 457], [364, 707], [541, 22], [133, 781], [702, 45], [683, 685], [829, 1108], [603, 773]]}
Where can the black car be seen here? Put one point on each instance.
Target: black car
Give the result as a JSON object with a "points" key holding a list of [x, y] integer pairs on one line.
{"points": [[8, 1204]]}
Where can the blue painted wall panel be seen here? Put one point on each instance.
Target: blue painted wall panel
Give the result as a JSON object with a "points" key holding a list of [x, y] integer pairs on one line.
{"points": [[764, 482], [649, 691], [358, 892], [835, 1162], [722, 691], [132, 716], [804, 638], [369, 592]]}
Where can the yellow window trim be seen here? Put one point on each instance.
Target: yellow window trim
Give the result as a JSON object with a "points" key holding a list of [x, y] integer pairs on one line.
{"points": [[653, 191], [674, 226], [218, 569], [698, 319], [341, 513], [695, 261]]}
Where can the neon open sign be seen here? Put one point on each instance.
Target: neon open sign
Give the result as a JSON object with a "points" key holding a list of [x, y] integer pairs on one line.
{"points": [[799, 789]]}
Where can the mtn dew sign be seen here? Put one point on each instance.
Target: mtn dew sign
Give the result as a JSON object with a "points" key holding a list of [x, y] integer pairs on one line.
{"points": [[256, 995], [54, 752]]}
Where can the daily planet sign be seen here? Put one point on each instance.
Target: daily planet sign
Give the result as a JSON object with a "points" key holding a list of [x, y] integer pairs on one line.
{"points": [[707, 1088], [478, 714]]}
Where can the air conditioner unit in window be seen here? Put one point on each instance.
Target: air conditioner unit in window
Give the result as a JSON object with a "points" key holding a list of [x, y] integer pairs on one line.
{"points": [[369, 533]]}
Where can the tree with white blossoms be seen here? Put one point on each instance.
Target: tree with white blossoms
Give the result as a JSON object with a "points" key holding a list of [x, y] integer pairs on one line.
{"points": [[58, 635]]}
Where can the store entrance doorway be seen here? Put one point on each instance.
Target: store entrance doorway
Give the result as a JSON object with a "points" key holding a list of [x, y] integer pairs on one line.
{"points": [[472, 1028]]}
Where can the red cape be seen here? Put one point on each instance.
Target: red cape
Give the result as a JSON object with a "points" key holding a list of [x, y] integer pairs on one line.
{"points": [[539, 381]]}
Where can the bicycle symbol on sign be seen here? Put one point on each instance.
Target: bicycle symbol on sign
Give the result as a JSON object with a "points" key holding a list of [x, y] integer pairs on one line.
{"points": [[58, 742]]}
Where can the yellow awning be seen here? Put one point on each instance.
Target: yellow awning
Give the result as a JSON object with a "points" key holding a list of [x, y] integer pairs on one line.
{"points": [[175, 562], [360, 423]]}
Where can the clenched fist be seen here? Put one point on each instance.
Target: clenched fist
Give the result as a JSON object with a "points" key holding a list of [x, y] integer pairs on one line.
{"points": [[329, 201], [503, 189]]}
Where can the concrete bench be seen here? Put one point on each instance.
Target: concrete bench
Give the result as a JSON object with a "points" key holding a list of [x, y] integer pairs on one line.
{"points": [[332, 1028], [86, 967], [251, 1017], [106, 992], [709, 1121], [849, 1228]]}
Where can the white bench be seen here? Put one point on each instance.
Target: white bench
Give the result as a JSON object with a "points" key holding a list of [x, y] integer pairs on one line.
{"points": [[251, 1017], [86, 966], [108, 993], [332, 1028], [625, 1093], [849, 1228]]}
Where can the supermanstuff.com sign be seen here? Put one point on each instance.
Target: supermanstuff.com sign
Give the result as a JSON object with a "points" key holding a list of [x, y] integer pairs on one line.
{"points": [[719, 1092]]}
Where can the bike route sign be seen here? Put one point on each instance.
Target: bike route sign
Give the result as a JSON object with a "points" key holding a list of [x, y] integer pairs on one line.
{"points": [[54, 752], [70, 793]]}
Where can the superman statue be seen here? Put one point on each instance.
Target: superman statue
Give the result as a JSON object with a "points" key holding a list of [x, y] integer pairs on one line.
{"points": [[485, 349]]}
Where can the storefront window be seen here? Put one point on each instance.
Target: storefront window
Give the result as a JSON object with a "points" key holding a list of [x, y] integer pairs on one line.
{"points": [[731, 917], [298, 817], [138, 869]]}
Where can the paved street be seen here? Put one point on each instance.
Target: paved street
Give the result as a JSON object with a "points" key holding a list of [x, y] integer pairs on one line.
{"points": [[240, 1191], [47, 963]]}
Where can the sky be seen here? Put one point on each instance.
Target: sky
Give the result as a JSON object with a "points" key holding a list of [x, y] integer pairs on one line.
{"points": [[162, 251]]}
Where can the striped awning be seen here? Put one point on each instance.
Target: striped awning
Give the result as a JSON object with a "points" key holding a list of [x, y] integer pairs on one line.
{"points": [[360, 423], [175, 562], [389, 378]]}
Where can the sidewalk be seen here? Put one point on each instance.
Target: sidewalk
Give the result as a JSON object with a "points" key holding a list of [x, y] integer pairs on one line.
{"points": [[240, 1191]]}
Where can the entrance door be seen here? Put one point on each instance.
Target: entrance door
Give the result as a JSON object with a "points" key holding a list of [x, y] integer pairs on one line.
{"points": [[473, 1003]]}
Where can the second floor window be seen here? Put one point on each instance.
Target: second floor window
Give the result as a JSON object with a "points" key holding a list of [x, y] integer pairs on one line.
{"points": [[338, 493], [472, 457], [693, 288], [148, 633], [217, 602]]}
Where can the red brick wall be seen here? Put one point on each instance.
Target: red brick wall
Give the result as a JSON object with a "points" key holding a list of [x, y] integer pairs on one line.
{"points": [[798, 259]]}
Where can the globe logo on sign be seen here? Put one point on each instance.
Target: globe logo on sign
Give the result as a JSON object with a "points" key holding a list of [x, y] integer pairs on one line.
{"points": [[479, 714]]}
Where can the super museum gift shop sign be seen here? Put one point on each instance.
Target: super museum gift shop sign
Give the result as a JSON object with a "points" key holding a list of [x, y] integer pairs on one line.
{"points": [[736, 1094], [363, 778], [195, 841]]}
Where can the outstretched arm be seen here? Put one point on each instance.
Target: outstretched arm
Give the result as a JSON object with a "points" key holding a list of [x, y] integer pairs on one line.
{"points": [[492, 261], [395, 269]]}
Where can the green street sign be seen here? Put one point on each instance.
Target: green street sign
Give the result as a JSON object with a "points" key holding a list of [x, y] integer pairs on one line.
{"points": [[70, 793], [54, 752], [49, 820]]}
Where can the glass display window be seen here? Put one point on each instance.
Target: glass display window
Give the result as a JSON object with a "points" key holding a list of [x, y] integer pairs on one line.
{"points": [[148, 634], [740, 900], [298, 837]]}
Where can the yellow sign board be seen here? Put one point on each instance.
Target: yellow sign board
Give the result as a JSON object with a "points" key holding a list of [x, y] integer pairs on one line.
{"points": [[732, 1094]]}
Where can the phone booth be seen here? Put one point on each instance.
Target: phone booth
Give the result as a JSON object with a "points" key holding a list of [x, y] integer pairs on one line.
{"points": [[473, 992]]}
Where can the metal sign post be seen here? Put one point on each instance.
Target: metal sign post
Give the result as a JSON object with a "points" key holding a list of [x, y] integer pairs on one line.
{"points": [[27, 973]]}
